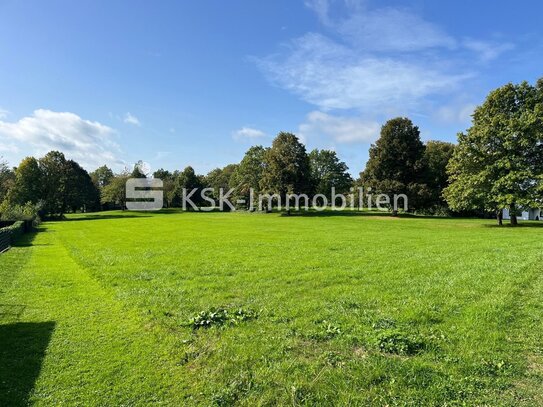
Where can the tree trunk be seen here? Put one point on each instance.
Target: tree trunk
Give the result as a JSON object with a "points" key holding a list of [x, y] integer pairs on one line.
{"points": [[499, 217], [513, 215]]}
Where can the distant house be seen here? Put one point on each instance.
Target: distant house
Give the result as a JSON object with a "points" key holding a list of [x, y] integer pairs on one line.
{"points": [[527, 214]]}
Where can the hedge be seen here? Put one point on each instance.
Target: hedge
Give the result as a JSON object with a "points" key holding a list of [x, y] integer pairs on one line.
{"points": [[10, 233]]}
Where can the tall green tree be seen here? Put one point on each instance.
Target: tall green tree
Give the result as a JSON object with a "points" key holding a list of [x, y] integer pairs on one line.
{"points": [[7, 179], [139, 170], [80, 192], [286, 167], [220, 178], [437, 156], [499, 160], [114, 193], [187, 180], [248, 174], [55, 170], [328, 171], [168, 181], [396, 163], [28, 184], [102, 176]]}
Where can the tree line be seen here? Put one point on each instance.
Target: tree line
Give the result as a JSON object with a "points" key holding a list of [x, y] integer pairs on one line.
{"points": [[497, 164]]}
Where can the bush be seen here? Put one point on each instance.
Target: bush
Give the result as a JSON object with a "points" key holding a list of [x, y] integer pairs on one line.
{"points": [[9, 233], [26, 212]]}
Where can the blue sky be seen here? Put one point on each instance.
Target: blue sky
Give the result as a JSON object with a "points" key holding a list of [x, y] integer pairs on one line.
{"points": [[198, 82]]}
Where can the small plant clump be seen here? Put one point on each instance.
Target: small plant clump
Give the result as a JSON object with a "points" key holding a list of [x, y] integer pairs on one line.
{"points": [[325, 332], [399, 343], [221, 317]]}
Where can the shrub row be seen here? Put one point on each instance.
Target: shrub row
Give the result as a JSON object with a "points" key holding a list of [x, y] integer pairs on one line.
{"points": [[8, 234]]}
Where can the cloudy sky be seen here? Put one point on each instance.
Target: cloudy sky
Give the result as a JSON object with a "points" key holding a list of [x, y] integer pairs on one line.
{"points": [[198, 82]]}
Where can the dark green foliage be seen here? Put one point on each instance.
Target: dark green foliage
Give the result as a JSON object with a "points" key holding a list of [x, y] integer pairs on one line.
{"points": [[437, 156], [102, 176], [168, 183], [396, 163], [57, 184], [137, 171], [499, 161], [248, 174], [7, 179], [114, 193], [9, 234], [53, 167], [286, 167], [28, 185], [218, 179], [162, 174], [26, 212], [80, 192], [187, 180], [328, 171]]}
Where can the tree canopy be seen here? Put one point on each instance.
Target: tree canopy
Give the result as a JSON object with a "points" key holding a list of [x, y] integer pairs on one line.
{"points": [[499, 160], [328, 171], [286, 167], [396, 163]]}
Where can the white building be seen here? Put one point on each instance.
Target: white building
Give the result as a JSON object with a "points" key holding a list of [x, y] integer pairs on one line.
{"points": [[527, 214]]}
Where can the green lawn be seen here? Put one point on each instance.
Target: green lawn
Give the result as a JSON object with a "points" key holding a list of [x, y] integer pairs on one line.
{"points": [[341, 310]]}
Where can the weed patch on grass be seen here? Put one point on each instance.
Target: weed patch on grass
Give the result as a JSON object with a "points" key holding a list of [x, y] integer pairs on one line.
{"points": [[221, 316], [324, 332], [233, 391], [398, 342], [384, 323]]}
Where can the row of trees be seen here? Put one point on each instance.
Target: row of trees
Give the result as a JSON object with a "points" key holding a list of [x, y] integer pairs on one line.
{"points": [[399, 163], [283, 168], [52, 184], [497, 164]]}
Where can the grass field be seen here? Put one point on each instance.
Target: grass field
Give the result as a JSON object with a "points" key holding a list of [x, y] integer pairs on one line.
{"points": [[331, 309]]}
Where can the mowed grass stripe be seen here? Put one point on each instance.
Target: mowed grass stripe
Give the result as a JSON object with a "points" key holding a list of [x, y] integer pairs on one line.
{"points": [[100, 352]]}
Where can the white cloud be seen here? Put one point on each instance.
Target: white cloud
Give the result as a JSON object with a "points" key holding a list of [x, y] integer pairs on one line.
{"points": [[332, 76], [392, 29], [248, 133], [340, 129], [8, 148], [131, 119], [374, 60], [487, 51], [321, 8], [3, 113], [87, 142]]}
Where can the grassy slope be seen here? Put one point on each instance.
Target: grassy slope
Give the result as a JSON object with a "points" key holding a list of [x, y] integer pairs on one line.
{"points": [[115, 291]]}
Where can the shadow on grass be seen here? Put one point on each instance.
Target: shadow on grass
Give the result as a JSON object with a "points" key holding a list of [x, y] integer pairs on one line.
{"points": [[103, 217], [22, 349], [521, 224], [27, 239], [350, 213]]}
